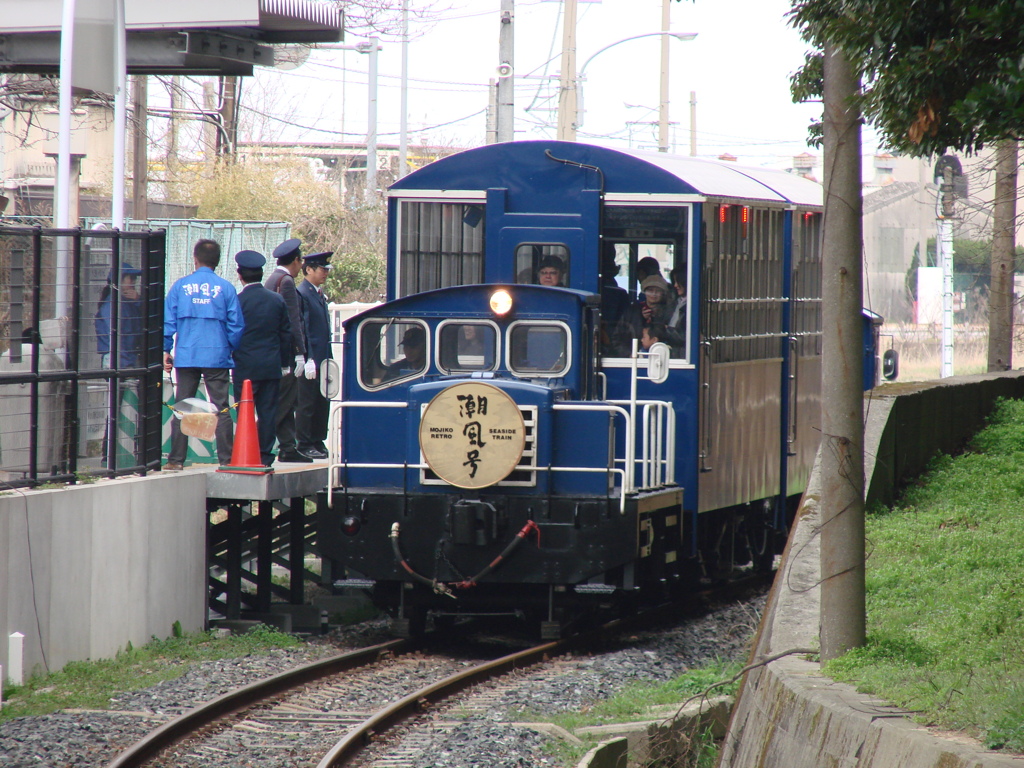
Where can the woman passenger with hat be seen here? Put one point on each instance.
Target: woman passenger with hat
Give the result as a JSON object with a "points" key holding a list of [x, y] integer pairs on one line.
{"points": [[655, 307]]}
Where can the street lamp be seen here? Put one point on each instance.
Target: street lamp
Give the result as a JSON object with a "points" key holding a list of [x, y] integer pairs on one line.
{"points": [[571, 118]]}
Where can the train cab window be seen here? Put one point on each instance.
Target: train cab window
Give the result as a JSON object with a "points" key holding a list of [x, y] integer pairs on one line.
{"points": [[466, 347], [542, 264], [538, 349], [641, 242], [391, 351]]}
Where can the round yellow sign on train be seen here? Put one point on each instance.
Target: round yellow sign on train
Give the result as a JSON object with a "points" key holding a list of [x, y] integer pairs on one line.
{"points": [[472, 434]]}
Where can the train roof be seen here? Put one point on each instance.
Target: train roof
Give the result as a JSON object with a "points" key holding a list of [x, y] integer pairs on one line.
{"points": [[523, 165]]}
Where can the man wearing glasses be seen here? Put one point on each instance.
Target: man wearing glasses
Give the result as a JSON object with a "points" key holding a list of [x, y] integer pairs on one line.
{"points": [[312, 409]]}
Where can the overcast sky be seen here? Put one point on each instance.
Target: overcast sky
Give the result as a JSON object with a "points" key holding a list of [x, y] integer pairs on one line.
{"points": [[738, 66]]}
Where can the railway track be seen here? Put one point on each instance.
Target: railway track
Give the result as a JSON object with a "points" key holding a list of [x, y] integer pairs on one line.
{"points": [[330, 711], [328, 708]]}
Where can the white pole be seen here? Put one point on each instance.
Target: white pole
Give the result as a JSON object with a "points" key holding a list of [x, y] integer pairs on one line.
{"points": [[371, 127], [403, 121], [663, 101], [16, 658], [693, 123], [120, 115], [946, 238], [945, 248], [62, 191], [568, 95]]}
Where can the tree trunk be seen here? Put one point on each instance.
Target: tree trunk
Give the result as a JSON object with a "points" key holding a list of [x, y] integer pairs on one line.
{"points": [[842, 618]]}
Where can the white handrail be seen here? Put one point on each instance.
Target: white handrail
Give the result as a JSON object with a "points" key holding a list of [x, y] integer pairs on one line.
{"points": [[658, 438], [628, 477]]}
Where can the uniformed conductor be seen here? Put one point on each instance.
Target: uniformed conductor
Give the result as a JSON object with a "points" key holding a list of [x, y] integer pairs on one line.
{"points": [[203, 325], [312, 411], [265, 350], [282, 281]]}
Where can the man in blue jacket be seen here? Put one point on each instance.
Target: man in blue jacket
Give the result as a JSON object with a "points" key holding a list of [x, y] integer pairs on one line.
{"points": [[130, 321], [265, 350], [203, 326], [312, 411]]}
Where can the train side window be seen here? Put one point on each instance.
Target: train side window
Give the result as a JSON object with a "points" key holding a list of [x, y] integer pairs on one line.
{"points": [[538, 349], [392, 351], [542, 264], [439, 245], [465, 347]]}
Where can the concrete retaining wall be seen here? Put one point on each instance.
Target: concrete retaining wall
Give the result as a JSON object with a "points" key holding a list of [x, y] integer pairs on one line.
{"points": [[84, 570], [787, 714]]}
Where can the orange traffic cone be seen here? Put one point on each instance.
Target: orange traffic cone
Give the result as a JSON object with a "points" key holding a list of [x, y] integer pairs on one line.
{"points": [[245, 453]]}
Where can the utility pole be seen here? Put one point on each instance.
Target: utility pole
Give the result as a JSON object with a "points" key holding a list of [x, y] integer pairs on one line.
{"points": [[663, 142], [492, 112], [506, 72], [1004, 230], [173, 128], [568, 94], [842, 617], [140, 148], [227, 138], [211, 126]]}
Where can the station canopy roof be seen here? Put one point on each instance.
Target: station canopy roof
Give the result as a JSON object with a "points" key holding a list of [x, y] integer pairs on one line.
{"points": [[194, 37]]}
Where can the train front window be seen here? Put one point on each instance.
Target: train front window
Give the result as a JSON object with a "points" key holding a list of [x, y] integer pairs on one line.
{"points": [[391, 351], [466, 347], [538, 349]]}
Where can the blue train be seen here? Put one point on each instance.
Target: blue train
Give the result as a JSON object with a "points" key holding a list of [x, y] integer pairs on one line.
{"points": [[509, 438]]}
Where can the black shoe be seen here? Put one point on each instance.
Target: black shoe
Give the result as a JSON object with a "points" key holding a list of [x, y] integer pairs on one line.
{"points": [[294, 457], [313, 454]]}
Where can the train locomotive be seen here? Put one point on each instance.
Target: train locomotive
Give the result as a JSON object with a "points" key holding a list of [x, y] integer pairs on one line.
{"points": [[505, 447]]}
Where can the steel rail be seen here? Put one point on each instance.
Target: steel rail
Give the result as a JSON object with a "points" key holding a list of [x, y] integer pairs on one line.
{"points": [[243, 698], [421, 700]]}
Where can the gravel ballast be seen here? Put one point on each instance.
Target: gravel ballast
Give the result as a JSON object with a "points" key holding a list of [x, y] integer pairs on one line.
{"points": [[92, 739]]}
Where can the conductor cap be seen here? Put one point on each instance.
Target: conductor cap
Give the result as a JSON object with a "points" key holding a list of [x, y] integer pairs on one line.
{"points": [[322, 259], [250, 260], [288, 249]]}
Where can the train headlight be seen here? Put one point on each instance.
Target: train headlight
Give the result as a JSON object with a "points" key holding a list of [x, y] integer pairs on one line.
{"points": [[350, 526], [501, 302]]}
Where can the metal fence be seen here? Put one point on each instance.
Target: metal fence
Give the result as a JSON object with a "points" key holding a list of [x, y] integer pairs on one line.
{"points": [[81, 319]]}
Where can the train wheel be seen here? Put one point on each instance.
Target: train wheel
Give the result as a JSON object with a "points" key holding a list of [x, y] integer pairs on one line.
{"points": [[759, 539], [719, 552]]}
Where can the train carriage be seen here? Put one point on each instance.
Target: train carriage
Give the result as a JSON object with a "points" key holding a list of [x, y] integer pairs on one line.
{"points": [[504, 446]]}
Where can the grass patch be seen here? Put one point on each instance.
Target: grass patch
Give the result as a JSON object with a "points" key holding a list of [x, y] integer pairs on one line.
{"points": [[945, 591], [91, 684], [634, 703]]}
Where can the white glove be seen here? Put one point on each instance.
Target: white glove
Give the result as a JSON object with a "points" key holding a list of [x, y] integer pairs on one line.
{"points": [[286, 371], [310, 369], [300, 361]]}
